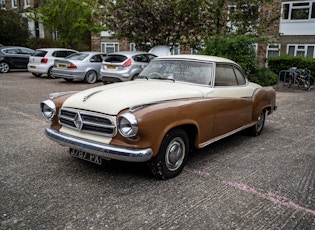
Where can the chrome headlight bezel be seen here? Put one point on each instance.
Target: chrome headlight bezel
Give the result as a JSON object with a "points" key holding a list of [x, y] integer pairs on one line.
{"points": [[48, 109], [127, 125]]}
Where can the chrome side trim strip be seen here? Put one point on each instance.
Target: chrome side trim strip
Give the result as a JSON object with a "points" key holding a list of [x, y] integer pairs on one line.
{"points": [[104, 150]]}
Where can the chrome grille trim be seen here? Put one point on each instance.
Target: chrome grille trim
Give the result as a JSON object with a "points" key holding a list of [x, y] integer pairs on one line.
{"points": [[87, 122]]}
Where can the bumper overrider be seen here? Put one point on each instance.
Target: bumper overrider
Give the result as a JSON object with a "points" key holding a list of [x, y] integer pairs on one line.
{"points": [[103, 150]]}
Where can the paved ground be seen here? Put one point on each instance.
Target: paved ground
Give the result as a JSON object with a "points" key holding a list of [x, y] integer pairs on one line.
{"points": [[266, 182]]}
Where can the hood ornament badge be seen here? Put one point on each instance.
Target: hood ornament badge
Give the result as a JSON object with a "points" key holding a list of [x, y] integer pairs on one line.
{"points": [[86, 97]]}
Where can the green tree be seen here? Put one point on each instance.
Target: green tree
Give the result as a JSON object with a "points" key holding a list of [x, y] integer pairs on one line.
{"points": [[158, 21], [238, 48], [14, 28], [72, 21]]}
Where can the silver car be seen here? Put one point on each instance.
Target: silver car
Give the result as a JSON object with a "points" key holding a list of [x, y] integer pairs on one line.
{"points": [[124, 66], [79, 66]]}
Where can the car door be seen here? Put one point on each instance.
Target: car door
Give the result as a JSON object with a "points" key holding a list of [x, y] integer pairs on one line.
{"points": [[233, 107], [23, 55], [95, 63]]}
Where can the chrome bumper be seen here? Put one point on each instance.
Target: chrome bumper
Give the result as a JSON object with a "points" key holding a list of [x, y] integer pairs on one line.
{"points": [[100, 149]]}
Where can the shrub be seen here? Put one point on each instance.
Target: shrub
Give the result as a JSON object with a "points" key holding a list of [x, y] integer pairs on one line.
{"points": [[235, 47], [285, 62], [264, 77]]}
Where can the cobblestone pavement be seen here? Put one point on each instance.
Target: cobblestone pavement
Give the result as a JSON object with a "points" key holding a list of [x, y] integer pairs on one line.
{"points": [[241, 182]]}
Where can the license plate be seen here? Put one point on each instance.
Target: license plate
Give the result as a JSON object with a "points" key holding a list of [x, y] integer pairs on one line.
{"points": [[86, 156], [62, 66], [33, 67], [111, 67]]}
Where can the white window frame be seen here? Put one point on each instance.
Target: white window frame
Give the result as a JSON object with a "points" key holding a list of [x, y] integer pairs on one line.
{"points": [[175, 50], [294, 6], [299, 48], [105, 45], [27, 3], [2, 2], [273, 47], [14, 3]]}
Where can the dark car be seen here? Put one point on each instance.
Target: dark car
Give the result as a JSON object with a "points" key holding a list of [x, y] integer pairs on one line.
{"points": [[14, 57]]}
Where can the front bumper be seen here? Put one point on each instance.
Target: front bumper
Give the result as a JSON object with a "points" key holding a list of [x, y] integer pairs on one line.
{"points": [[103, 150]]}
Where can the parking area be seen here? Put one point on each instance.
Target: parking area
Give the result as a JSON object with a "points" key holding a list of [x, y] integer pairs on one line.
{"points": [[240, 182]]}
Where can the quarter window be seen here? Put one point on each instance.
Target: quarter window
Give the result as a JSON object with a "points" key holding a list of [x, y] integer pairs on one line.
{"points": [[224, 75]]}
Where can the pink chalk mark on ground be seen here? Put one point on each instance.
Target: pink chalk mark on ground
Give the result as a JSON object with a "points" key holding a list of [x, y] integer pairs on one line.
{"points": [[272, 197], [269, 196]]}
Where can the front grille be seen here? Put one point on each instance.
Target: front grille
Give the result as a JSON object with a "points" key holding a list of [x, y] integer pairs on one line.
{"points": [[87, 122]]}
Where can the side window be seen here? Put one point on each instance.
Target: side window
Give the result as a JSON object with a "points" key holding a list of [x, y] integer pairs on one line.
{"points": [[224, 75], [96, 58], [140, 58], [26, 51], [239, 76], [151, 57], [12, 51]]}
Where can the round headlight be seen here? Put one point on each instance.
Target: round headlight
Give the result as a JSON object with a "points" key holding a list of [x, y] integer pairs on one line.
{"points": [[48, 109], [127, 125]]}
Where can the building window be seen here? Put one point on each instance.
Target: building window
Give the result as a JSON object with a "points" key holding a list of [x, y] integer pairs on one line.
{"points": [[273, 50], [14, 3], [298, 10], [27, 3], [132, 47], [110, 47], [175, 49], [2, 2], [304, 50]]}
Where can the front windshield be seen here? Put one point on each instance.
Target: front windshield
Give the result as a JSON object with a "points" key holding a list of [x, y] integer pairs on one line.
{"points": [[180, 70]]}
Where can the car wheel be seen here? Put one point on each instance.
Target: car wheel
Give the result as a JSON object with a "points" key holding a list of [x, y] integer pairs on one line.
{"points": [[49, 73], [37, 74], [4, 67], [172, 155], [256, 130], [90, 77]]}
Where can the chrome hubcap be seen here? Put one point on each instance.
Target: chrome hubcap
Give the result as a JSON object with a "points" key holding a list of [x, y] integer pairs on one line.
{"points": [[175, 154]]}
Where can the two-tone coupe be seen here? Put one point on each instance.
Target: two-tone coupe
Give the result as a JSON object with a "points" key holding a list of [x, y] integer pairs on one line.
{"points": [[177, 104]]}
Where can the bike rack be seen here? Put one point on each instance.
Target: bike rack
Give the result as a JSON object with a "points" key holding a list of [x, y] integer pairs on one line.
{"points": [[284, 76]]}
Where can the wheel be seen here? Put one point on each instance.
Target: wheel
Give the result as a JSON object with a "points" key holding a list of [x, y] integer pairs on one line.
{"points": [[4, 67], [37, 74], [90, 77], [256, 130], [49, 73], [172, 155]]}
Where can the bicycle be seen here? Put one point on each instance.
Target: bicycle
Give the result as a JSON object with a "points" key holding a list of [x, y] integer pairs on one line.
{"points": [[301, 77]]}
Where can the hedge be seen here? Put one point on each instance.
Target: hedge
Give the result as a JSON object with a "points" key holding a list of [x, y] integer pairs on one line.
{"points": [[276, 64]]}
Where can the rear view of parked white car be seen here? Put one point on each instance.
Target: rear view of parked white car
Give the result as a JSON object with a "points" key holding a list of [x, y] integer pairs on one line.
{"points": [[42, 60]]}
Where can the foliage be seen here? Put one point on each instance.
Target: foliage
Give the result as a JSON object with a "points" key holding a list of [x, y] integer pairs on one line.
{"points": [[235, 47], [158, 21], [72, 21], [264, 77], [188, 22], [14, 29], [285, 62], [36, 43]]}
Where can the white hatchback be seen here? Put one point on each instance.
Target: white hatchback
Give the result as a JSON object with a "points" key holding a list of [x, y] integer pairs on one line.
{"points": [[42, 60]]}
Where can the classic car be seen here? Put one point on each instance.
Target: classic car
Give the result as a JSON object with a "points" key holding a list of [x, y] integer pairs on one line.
{"points": [[176, 105]]}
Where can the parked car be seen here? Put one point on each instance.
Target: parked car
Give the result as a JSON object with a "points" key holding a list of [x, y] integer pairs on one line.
{"points": [[178, 104], [42, 60], [125, 66], [14, 57], [79, 66]]}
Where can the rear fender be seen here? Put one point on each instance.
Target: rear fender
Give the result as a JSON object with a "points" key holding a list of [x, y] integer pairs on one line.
{"points": [[263, 99]]}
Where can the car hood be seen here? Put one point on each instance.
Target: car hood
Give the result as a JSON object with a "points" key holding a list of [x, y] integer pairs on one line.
{"points": [[111, 99]]}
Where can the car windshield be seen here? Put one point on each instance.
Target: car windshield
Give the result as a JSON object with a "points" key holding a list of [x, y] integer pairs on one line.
{"points": [[77, 56], [180, 70]]}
